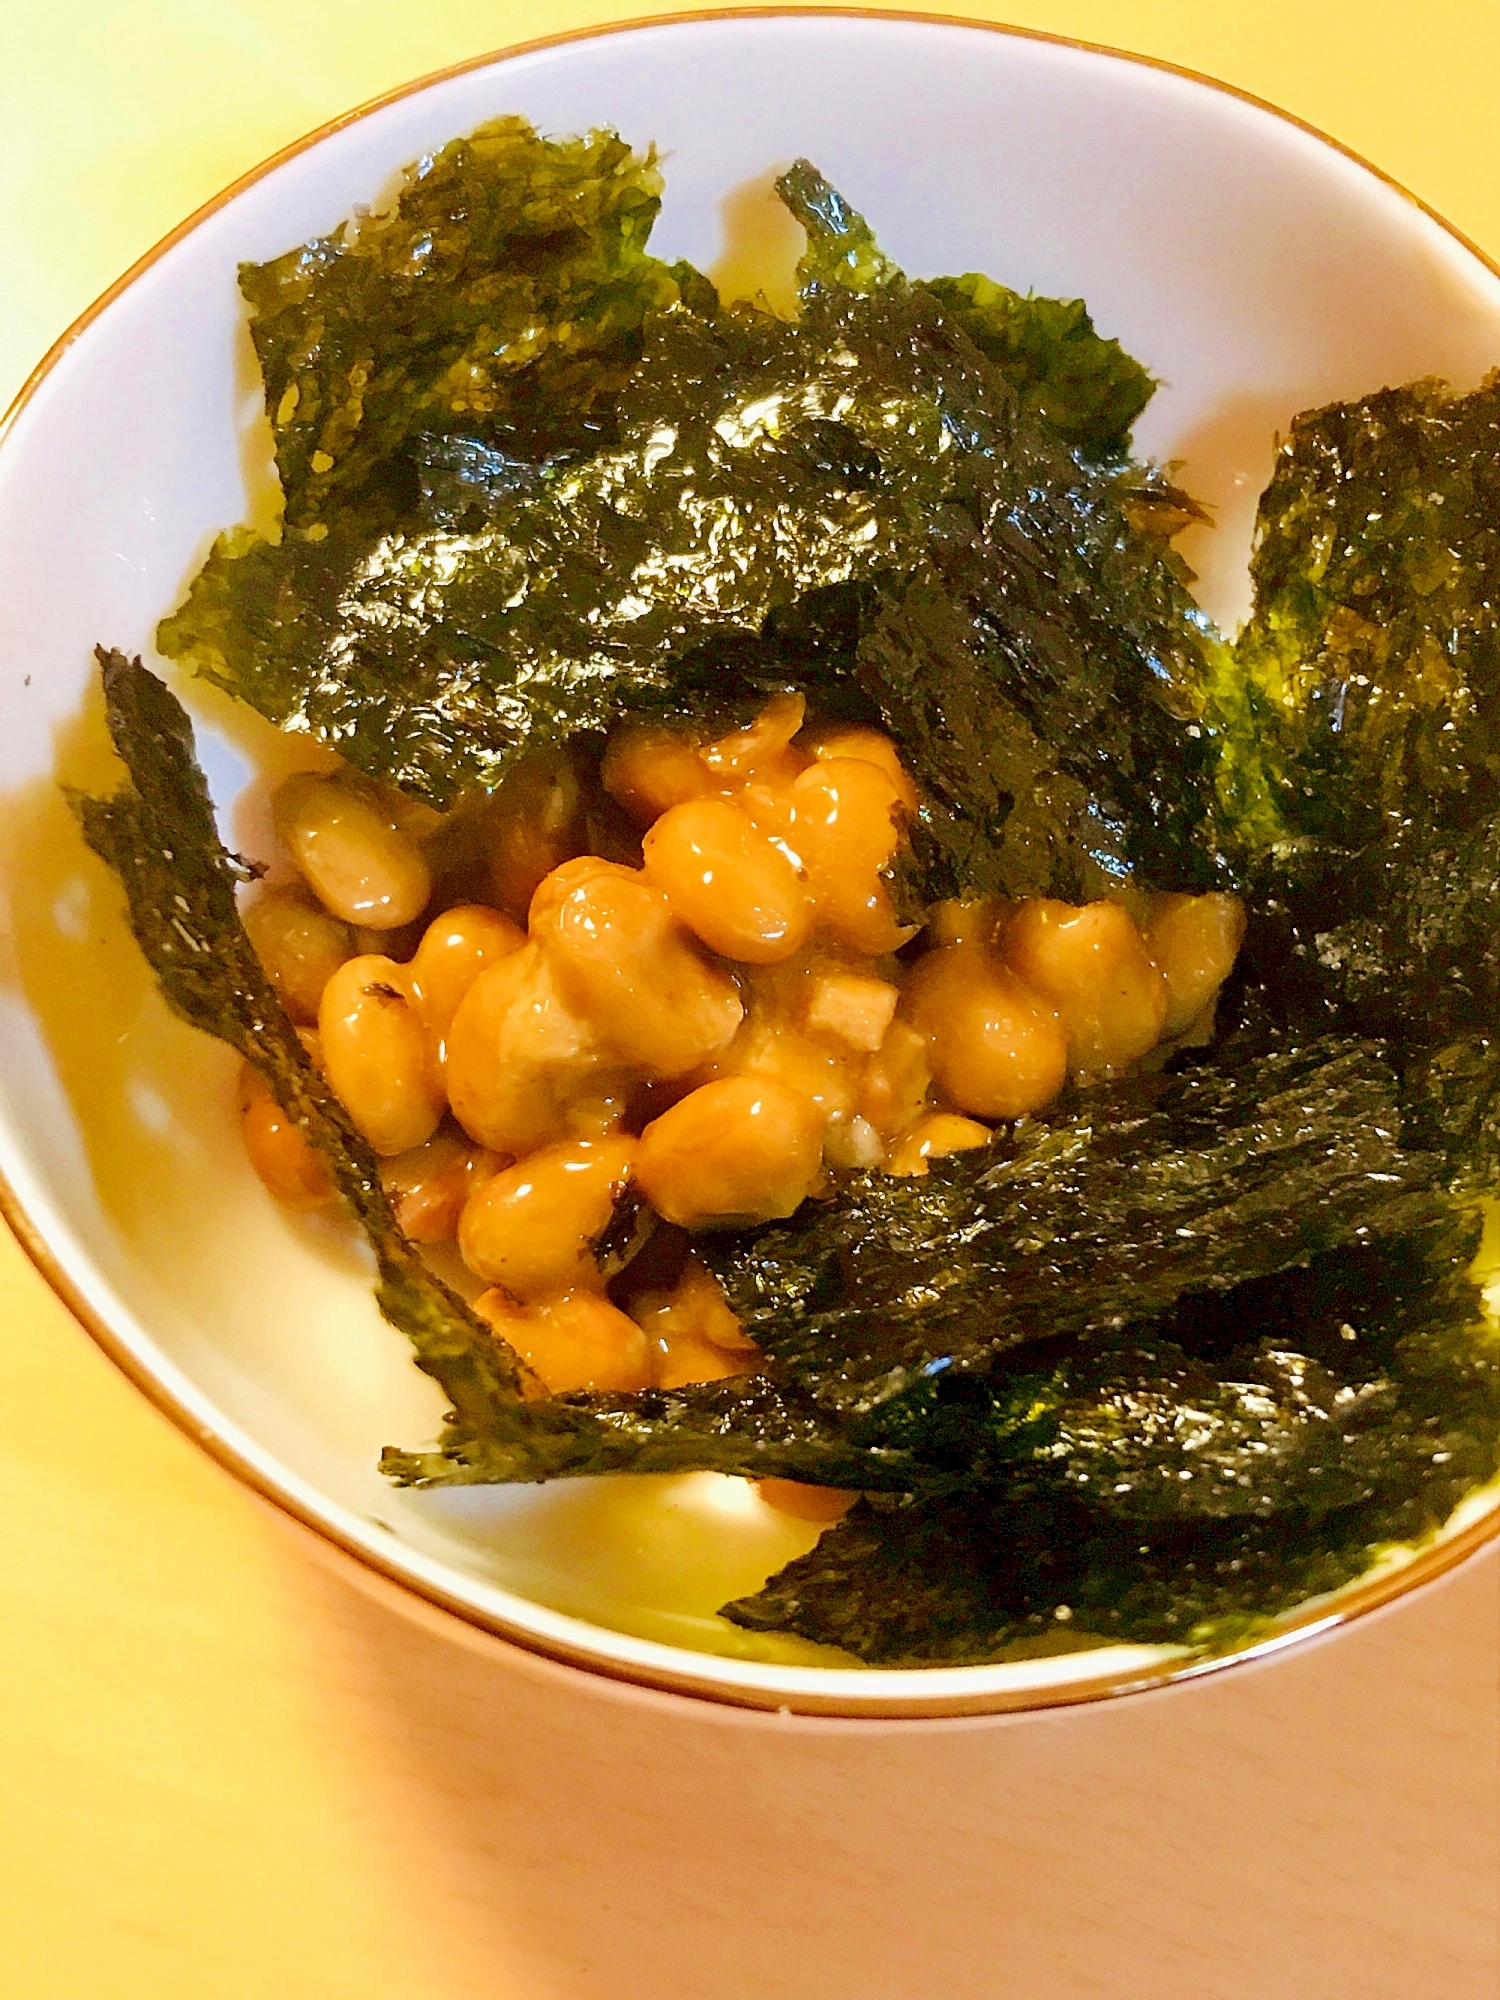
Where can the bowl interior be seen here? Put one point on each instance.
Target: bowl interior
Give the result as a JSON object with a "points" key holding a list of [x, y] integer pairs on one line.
{"points": [[1254, 269]]}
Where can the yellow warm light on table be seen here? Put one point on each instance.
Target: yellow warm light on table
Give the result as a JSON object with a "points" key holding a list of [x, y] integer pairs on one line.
{"points": [[228, 1774]]}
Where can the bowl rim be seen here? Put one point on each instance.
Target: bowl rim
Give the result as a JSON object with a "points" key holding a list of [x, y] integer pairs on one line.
{"points": [[1375, 1591]]}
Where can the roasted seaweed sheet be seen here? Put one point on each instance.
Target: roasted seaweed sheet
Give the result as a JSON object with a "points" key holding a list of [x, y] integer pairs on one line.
{"points": [[1358, 728], [157, 833], [1094, 1215], [1184, 1498], [497, 300], [1367, 682], [862, 502]]}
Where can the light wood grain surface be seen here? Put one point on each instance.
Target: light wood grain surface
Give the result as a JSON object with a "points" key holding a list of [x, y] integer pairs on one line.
{"points": [[225, 1772]]}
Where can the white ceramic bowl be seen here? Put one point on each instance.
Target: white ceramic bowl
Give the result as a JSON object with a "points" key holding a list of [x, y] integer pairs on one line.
{"points": [[1254, 267]]}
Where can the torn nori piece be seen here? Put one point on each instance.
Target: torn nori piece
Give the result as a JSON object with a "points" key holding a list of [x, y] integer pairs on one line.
{"points": [[957, 1581], [1035, 655], [499, 301], [1367, 682], [158, 835], [743, 1425], [434, 658], [1357, 725], [1167, 1530], [1100, 1214]]}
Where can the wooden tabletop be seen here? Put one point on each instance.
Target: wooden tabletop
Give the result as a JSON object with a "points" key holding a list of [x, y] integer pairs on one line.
{"points": [[228, 1774]]}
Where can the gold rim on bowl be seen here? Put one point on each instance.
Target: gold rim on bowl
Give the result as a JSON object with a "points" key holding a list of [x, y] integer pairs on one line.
{"points": [[1357, 1600]]}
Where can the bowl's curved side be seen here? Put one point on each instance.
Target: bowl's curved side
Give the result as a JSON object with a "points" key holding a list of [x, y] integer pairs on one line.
{"points": [[1254, 266]]}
